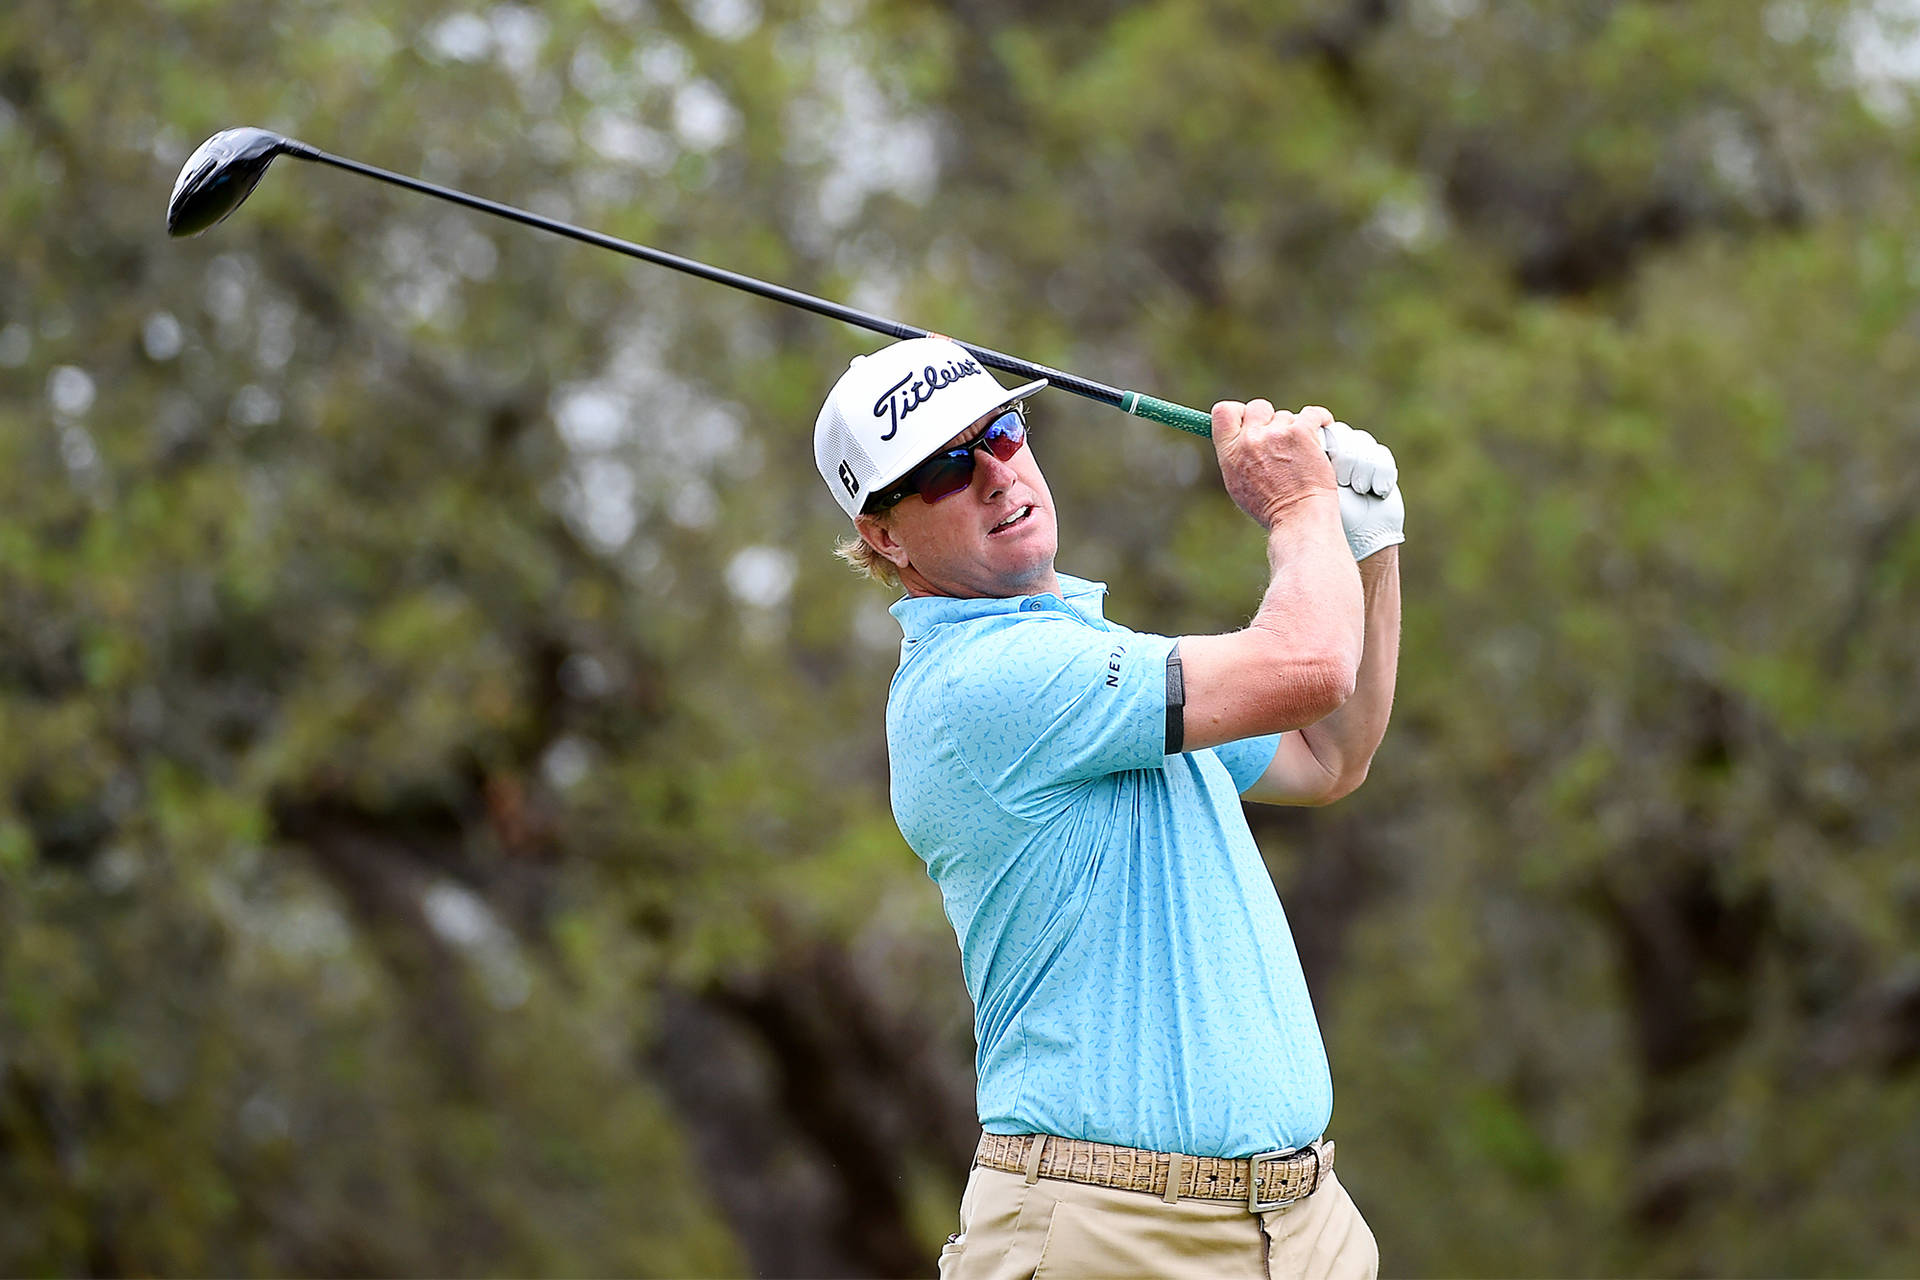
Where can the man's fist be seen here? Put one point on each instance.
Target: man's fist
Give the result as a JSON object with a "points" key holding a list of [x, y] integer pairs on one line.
{"points": [[1269, 461], [1371, 509]]}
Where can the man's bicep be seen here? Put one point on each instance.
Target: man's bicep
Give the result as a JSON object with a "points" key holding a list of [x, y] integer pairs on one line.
{"points": [[1245, 684]]}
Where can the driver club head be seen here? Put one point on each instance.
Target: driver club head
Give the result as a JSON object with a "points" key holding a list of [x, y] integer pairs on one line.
{"points": [[220, 175]]}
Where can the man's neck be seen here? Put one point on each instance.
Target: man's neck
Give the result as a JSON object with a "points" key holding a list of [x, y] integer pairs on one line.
{"points": [[1039, 583]]}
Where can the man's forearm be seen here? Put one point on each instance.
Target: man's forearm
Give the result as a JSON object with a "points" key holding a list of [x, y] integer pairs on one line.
{"points": [[1309, 603], [1345, 741], [1297, 660]]}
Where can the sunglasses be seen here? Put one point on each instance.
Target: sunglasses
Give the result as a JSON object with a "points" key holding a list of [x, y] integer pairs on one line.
{"points": [[951, 470]]}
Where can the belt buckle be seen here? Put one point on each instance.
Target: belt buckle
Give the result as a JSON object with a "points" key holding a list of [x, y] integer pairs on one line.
{"points": [[1254, 1203]]}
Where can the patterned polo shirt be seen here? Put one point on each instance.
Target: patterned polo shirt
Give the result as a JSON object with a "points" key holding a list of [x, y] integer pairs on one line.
{"points": [[1133, 976]]}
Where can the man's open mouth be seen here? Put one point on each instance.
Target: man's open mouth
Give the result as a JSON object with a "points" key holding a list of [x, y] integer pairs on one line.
{"points": [[1019, 514]]}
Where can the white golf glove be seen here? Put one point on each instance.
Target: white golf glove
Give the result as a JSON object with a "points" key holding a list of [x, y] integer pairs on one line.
{"points": [[1371, 509]]}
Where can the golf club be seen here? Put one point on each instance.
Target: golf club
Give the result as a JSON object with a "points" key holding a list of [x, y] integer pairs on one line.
{"points": [[222, 173]]}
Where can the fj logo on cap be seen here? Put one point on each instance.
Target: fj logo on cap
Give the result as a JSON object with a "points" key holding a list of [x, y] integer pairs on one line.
{"points": [[846, 478], [908, 394]]}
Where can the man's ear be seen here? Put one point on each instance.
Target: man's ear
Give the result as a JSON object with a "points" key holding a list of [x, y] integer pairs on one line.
{"points": [[874, 532]]}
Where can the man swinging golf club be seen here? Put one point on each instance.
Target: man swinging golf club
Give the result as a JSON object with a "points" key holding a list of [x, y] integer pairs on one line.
{"points": [[1152, 1083]]}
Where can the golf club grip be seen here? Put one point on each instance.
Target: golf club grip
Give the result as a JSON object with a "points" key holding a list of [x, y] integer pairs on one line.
{"points": [[1173, 415]]}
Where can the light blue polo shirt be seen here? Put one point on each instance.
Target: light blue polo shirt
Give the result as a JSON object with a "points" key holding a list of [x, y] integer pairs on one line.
{"points": [[1133, 977]]}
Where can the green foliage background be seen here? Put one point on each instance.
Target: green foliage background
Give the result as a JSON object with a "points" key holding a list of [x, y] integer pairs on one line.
{"points": [[443, 820]]}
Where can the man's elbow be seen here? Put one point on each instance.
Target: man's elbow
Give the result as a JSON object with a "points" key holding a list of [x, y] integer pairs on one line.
{"points": [[1323, 684], [1342, 784]]}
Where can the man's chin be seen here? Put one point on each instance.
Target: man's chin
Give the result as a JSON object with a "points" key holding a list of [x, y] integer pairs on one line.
{"points": [[1030, 575], [1016, 567]]}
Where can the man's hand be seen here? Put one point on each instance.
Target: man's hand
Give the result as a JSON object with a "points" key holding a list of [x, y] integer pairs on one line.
{"points": [[1372, 512], [1270, 462]]}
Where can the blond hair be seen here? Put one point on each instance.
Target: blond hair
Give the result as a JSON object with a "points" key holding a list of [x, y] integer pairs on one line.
{"points": [[866, 562]]}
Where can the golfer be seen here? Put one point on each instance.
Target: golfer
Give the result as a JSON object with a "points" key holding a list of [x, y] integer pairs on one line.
{"points": [[1152, 1083]]}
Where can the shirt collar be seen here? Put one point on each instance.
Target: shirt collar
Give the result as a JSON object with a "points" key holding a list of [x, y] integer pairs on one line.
{"points": [[1078, 598]]}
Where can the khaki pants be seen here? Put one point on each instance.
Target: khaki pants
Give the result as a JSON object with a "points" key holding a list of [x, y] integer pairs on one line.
{"points": [[1010, 1230]]}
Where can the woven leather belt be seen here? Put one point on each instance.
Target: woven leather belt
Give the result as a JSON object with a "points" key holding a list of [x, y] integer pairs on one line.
{"points": [[1270, 1180]]}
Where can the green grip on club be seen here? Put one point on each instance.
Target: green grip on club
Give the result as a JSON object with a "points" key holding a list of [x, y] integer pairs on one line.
{"points": [[1174, 415]]}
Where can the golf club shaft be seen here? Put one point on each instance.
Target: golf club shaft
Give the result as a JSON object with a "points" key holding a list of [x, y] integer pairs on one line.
{"points": [[1133, 402]]}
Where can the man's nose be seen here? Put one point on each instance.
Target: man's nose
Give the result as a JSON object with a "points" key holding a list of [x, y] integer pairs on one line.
{"points": [[993, 475]]}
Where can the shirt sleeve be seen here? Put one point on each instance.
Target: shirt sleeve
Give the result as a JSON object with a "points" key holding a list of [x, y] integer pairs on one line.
{"points": [[1044, 704], [1248, 758]]}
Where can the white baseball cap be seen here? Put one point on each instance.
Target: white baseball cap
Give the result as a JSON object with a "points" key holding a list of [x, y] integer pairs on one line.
{"points": [[893, 408]]}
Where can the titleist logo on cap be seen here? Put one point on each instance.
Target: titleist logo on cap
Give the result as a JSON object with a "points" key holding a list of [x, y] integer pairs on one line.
{"points": [[908, 394]]}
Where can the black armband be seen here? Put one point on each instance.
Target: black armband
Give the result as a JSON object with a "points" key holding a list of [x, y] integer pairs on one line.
{"points": [[1176, 702]]}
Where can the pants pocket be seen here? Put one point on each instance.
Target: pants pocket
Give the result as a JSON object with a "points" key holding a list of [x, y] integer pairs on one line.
{"points": [[950, 1255], [1003, 1228]]}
